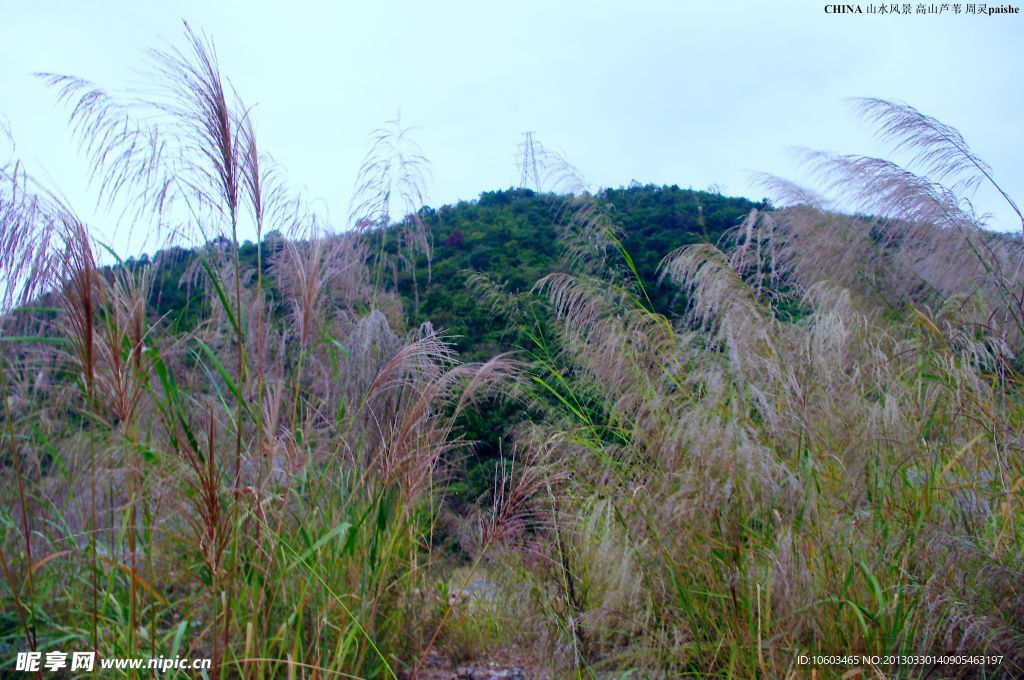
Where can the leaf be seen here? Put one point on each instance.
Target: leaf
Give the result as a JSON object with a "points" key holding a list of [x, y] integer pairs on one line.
{"points": [[179, 635], [215, 280], [341, 529], [138, 579], [226, 377], [49, 558], [29, 339], [876, 587]]}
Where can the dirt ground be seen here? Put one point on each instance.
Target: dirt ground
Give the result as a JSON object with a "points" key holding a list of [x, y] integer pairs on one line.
{"points": [[508, 665]]}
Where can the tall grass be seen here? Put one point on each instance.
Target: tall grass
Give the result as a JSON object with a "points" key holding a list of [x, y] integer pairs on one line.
{"points": [[261, 489], [823, 455]]}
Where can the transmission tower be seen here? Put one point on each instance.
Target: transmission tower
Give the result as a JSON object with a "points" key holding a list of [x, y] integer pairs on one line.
{"points": [[528, 163]]}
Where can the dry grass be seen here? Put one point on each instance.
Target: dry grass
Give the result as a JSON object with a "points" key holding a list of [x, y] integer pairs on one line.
{"points": [[742, 488], [262, 488], [825, 454]]}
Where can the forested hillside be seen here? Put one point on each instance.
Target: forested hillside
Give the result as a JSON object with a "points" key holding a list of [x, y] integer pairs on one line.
{"points": [[513, 237]]}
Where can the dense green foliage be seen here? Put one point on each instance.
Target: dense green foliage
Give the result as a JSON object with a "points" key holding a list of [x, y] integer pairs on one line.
{"points": [[512, 236]]}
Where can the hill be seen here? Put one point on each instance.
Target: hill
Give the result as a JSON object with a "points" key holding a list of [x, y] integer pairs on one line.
{"points": [[702, 461], [514, 237]]}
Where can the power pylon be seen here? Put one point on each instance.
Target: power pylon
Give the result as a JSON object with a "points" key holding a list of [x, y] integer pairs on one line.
{"points": [[528, 165]]}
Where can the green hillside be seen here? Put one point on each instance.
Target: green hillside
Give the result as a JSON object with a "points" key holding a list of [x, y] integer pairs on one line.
{"points": [[514, 237]]}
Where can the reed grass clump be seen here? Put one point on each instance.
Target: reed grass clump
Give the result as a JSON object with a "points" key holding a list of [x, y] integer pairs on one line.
{"points": [[260, 487], [823, 454]]}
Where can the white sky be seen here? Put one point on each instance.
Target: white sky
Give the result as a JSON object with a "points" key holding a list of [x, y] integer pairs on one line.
{"points": [[672, 92]]}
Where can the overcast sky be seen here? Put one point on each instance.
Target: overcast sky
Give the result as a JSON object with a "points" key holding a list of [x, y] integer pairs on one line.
{"points": [[688, 93]]}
